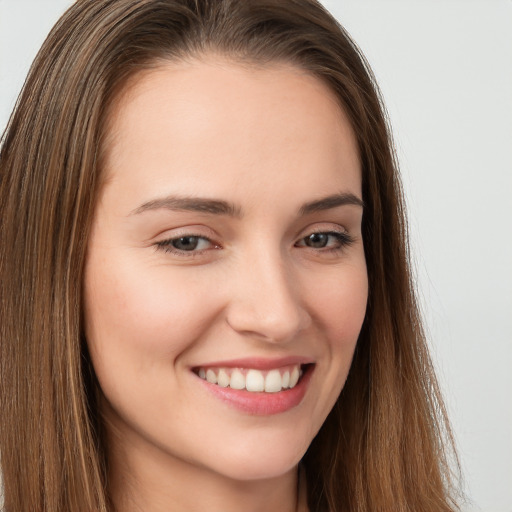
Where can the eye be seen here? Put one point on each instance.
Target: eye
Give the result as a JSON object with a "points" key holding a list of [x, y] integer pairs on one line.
{"points": [[186, 244], [326, 240]]}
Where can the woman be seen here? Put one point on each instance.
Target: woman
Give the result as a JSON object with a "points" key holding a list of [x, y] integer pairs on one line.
{"points": [[206, 300]]}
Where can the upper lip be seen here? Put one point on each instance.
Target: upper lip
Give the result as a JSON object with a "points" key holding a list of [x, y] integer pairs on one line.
{"points": [[257, 363]]}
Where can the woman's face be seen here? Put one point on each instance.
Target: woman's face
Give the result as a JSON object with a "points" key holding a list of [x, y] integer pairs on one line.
{"points": [[226, 253]]}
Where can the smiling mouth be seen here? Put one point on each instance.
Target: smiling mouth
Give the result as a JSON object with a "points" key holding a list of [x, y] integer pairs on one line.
{"points": [[254, 380]]}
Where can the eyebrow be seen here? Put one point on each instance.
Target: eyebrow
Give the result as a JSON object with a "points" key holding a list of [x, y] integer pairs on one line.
{"points": [[219, 207], [191, 204], [329, 202]]}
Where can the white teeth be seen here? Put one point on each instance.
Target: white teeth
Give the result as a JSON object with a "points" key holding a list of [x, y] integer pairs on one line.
{"points": [[271, 381], [254, 381], [286, 379], [237, 380], [211, 377], [294, 377], [223, 379]]}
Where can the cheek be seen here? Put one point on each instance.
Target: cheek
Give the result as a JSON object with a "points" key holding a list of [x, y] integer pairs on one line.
{"points": [[341, 309], [340, 305], [142, 314], [337, 299]]}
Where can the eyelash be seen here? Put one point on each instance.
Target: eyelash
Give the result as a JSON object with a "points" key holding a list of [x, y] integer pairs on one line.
{"points": [[343, 240], [166, 246]]}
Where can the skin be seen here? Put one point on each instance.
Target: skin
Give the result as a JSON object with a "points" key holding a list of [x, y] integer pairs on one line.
{"points": [[268, 140]]}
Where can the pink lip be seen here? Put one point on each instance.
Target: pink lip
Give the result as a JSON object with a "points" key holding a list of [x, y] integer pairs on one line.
{"points": [[258, 363], [260, 404]]}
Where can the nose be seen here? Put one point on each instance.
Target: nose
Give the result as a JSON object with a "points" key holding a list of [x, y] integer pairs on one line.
{"points": [[266, 301]]}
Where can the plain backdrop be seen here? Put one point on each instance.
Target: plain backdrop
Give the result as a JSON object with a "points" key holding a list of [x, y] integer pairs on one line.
{"points": [[445, 70]]}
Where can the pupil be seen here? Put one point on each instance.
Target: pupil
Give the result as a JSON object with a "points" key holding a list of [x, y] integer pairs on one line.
{"points": [[317, 240], [186, 243]]}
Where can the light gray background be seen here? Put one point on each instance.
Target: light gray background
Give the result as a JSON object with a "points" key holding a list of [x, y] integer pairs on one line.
{"points": [[445, 68]]}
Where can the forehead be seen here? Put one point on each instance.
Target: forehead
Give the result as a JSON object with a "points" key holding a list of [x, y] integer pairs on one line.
{"points": [[216, 114]]}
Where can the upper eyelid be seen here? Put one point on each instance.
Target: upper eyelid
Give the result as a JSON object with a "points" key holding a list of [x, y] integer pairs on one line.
{"points": [[322, 227], [200, 231], [186, 231]]}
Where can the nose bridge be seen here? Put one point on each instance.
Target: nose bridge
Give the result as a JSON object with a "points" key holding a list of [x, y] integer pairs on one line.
{"points": [[266, 301]]}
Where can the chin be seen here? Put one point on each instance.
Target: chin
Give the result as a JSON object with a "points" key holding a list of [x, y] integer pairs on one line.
{"points": [[266, 469], [264, 460]]}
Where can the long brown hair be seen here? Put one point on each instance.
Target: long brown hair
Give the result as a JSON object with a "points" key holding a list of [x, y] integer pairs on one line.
{"points": [[386, 444]]}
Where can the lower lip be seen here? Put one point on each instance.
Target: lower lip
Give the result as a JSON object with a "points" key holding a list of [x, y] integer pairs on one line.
{"points": [[262, 404]]}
